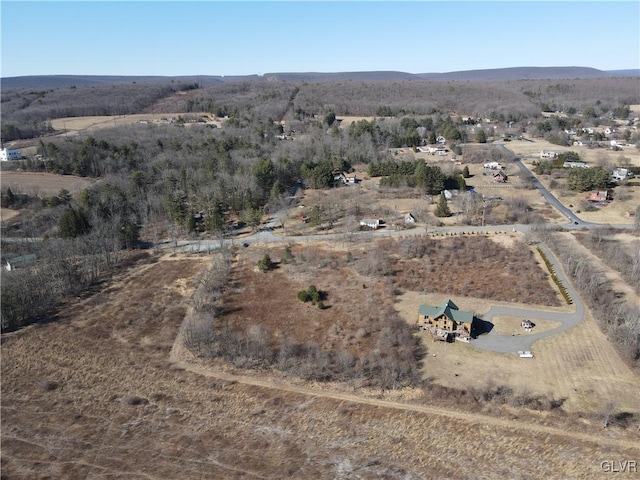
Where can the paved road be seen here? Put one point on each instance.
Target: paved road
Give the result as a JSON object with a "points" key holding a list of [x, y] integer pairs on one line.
{"points": [[574, 221]]}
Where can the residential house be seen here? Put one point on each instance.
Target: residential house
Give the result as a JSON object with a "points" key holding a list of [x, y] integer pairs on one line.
{"points": [[441, 140], [544, 154], [575, 165], [500, 177], [23, 261], [620, 174], [619, 143], [446, 317], [346, 178], [372, 223], [493, 166], [600, 196], [409, 218], [8, 154], [585, 143]]}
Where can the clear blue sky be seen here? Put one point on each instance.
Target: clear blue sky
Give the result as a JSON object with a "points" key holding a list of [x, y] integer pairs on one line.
{"points": [[242, 38]]}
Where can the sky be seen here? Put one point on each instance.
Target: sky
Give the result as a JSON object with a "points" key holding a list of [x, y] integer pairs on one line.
{"points": [[246, 38]]}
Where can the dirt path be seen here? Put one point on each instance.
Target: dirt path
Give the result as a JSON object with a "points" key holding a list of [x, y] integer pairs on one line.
{"points": [[178, 359]]}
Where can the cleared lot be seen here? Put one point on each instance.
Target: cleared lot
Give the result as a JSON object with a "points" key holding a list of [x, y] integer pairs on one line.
{"points": [[578, 365], [46, 184], [109, 404]]}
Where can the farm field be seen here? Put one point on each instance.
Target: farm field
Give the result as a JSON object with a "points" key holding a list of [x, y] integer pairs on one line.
{"points": [[111, 404], [77, 125], [46, 184]]}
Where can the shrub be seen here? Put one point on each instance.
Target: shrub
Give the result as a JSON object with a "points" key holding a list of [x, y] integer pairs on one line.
{"points": [[304, 296], [313, 295], [265, 264]]}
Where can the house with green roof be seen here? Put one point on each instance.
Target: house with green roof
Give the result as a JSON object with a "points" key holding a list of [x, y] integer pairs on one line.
{"points": [[22, 261], [446, 317]]}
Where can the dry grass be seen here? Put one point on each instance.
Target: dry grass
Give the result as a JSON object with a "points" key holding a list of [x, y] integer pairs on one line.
{"points": [[579, 365], [7, 214], [508, 325], [107, 349], [478, 267], [42, 184], [626, 198], [78, 125]]}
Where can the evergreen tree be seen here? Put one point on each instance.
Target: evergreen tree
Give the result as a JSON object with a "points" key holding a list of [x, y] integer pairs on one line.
{"points": [[73, 223], [442, 210], [265, 264]]}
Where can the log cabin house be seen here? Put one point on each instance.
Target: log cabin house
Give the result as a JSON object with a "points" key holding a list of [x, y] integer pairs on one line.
{"points": [[446, 317]]}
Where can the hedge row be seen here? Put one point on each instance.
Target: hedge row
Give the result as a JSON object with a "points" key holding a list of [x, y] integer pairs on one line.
{"points": [[555, 278]]}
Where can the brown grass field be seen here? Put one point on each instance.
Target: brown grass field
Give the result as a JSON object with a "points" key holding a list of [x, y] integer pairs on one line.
{"points": [[93, 395], [44, 184], [78, 125], [98, 393]]}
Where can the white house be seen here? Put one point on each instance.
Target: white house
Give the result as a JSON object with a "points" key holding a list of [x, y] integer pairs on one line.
{"points": [[346, 178], [620, 174], [493, 166], [6, 154], [373, 223], [409, 218], [575, 165], [544, 154]]}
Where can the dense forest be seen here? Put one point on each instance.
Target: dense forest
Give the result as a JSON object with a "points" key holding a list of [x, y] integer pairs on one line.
{"points": [[160, 181]]}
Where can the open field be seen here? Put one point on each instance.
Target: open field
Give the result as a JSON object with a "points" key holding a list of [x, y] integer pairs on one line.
{"points": [[109, 404], [46, 184], [7, 214], [78, 125]]}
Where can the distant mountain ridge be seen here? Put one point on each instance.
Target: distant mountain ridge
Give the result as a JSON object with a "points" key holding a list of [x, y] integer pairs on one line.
{"points": [[494, 74]]}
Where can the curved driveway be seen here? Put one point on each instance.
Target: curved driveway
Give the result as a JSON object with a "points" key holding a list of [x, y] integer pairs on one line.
{"points": [[510, 344]]}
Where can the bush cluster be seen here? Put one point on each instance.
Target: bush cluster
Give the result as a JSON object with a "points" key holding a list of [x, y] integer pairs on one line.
{"points": [[313, 295]]}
